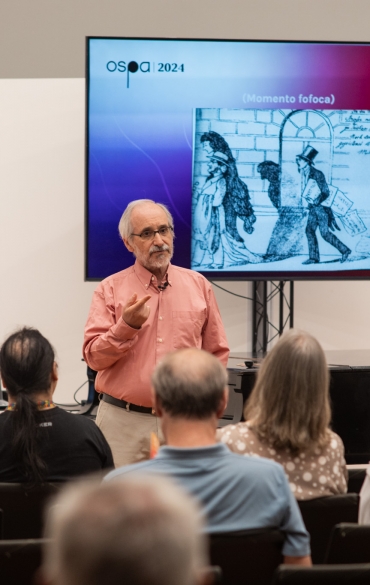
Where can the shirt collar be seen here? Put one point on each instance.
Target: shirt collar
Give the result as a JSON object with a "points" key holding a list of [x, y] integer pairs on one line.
{"points": [[211, 452], [145, 276]]}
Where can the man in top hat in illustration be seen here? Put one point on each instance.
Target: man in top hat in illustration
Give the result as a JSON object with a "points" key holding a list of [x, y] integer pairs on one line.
{"points": [[315, 190]]}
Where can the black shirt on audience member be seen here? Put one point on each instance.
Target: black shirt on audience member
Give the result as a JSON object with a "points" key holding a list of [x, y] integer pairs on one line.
{"points": [[70, 445], [40, 442]]}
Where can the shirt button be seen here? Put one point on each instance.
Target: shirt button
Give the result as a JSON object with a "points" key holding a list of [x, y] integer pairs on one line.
{"points": [[161, 318], [160, 339], [152, 278]]}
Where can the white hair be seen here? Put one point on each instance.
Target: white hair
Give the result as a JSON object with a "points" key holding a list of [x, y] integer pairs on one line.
{"points": [[138, 529], [125, 227]]}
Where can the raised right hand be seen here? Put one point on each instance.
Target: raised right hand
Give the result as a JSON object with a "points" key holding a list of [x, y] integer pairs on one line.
{"points": [[136, 312]]}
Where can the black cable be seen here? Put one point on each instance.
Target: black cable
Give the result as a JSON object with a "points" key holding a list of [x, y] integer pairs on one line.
{"points": [[79, 388], [276, 290], [231, 293], [74, 395]]}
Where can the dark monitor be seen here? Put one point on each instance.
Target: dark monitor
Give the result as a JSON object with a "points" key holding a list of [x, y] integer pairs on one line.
{"points": [[349, 397]]}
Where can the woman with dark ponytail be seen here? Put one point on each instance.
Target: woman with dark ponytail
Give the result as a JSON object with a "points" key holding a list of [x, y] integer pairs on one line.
{"points": [[39, 441]]}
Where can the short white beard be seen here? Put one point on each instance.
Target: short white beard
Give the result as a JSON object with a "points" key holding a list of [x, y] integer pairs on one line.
{"points": [[156, 262]]}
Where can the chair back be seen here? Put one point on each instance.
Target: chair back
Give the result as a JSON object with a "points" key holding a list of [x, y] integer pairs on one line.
{"points": [[22, 509], [249, 556], [356, 477], [20, 560], [323, 575], [322, 514], [349, 543], [233, 412]]}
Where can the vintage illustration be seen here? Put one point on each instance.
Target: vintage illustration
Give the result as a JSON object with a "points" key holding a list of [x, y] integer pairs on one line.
{"points": [[290, 188]]}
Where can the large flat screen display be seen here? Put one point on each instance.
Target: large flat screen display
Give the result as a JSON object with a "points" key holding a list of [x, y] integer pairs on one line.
{"points": [[261, 151]]}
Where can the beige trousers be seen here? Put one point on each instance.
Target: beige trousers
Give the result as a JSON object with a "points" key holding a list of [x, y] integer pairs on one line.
{"points": [[127, 432]]}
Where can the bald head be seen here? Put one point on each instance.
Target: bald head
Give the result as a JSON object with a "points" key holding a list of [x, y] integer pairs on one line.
{"points": [[190, 383]]}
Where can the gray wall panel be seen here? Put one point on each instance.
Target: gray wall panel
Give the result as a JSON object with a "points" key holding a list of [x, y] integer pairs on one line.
{"points": [[46, 38]]}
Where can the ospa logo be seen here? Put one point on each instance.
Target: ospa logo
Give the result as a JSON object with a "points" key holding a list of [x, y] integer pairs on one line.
{"points": [[131, 67]]}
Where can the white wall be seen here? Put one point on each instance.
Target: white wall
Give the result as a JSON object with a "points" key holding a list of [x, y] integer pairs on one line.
{"points": [[42, 160], [41, 218]]}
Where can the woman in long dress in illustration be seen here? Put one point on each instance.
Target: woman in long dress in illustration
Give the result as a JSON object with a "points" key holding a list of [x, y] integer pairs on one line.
{"points": [[218, 205]]}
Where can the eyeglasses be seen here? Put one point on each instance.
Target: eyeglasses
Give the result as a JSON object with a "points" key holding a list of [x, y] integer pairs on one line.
{"points": [[150, 234]]}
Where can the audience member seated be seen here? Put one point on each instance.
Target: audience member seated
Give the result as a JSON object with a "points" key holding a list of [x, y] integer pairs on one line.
{"points": [[287, 419], [39, 441], [139, 531], [237, 493]]}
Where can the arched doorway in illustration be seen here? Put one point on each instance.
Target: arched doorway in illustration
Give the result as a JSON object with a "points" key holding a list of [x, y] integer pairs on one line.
{"points": [[299, 129]]}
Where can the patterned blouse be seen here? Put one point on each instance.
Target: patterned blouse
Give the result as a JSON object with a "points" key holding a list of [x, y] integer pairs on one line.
{"points": [[311, 474]]}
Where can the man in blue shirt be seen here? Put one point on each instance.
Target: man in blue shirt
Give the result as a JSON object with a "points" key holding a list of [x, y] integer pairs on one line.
{"points": [[236, 492]]}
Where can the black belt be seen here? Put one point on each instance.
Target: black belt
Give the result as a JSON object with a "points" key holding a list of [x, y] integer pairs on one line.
{"points": [[127, 405]]}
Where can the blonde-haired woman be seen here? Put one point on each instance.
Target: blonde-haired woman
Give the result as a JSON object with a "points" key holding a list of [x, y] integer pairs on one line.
{"points": [[287, 418]]}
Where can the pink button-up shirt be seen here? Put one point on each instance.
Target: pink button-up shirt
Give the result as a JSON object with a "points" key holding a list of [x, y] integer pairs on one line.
{"points": [[185, 314]]}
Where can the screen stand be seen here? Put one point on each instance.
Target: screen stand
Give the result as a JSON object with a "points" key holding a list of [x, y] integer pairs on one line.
{"points": [[263, 329]]}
